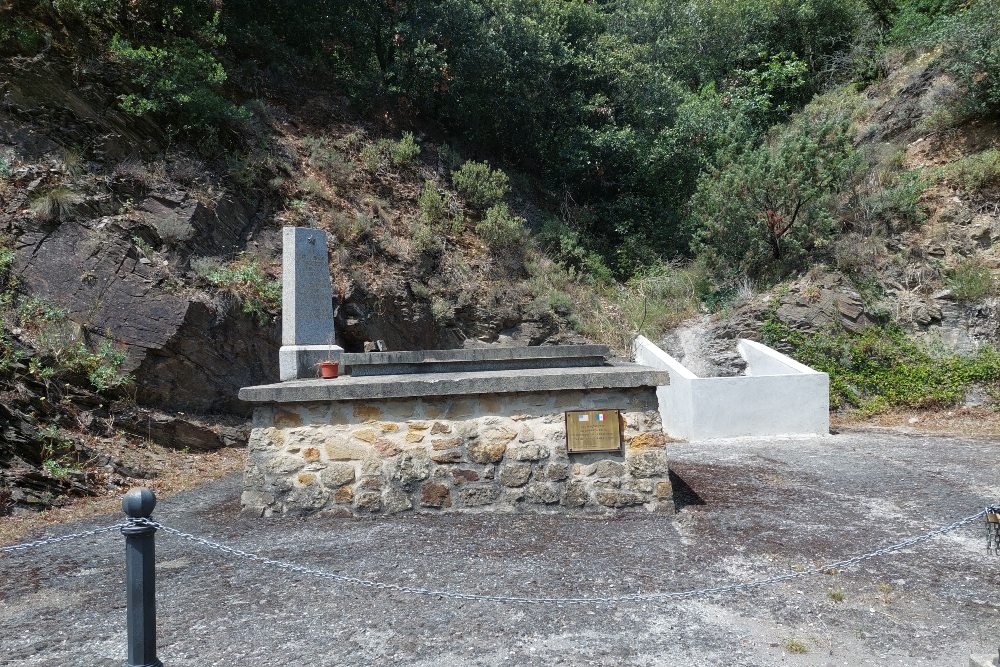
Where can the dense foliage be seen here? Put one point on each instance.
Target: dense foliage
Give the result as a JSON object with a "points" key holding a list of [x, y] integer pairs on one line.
{"points": [[648, 123], [883, 367]]}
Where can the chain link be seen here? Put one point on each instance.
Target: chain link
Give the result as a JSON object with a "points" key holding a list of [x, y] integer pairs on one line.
{"points": [[637, 597], [24, 546]]}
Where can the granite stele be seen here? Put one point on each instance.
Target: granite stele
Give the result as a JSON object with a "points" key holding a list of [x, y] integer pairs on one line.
{"points": [[472, 430], [307, 333]]}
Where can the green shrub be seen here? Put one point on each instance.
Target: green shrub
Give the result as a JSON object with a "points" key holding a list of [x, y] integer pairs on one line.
{"points": [[34, 313], [405, 151], [425, 239], [973, 173], [325, 157], [971, 44], [259, 294], [180, 79], [971, 280], [567, 246], [7, 161], [765, 213], [56, 203], [433, 206], [481, 186], [899, 199], [103, 366], [20, 36], [883, 368], [499, 228], [442, 310], [375, 156]]}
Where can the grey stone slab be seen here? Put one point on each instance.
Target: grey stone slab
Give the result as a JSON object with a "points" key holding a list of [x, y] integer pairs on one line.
{"points": [[477, 354], [459, 366], [451, 384], [306, 290], [300, 361]]}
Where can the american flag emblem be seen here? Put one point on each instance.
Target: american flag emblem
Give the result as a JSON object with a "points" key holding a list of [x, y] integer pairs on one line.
{"points": [[583, 418]]}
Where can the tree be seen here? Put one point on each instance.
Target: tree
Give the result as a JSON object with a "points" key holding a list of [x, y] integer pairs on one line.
{"points": [[769, 207]]}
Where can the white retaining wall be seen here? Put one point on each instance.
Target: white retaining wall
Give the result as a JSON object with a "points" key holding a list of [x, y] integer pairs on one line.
{"points": [[777, 396]]}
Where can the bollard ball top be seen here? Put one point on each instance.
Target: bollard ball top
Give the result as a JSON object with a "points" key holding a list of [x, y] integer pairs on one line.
{"points": [[139, 503]]}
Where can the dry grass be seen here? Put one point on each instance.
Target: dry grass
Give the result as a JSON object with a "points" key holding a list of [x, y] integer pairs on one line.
{"points": [[176, 472], [974, 422]]}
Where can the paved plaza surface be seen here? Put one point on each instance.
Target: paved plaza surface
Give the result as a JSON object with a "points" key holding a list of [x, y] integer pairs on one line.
{"points": [[747, 509]]}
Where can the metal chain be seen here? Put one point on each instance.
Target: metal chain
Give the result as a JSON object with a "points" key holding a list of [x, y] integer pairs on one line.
{"points": [[637, 597], [62, 538]]}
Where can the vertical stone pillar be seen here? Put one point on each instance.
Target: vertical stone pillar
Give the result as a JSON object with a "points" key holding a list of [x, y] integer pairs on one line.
{"points": [[307, 330]]}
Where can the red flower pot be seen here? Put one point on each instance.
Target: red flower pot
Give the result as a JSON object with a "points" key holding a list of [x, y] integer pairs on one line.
{"points": [[329, 369]]}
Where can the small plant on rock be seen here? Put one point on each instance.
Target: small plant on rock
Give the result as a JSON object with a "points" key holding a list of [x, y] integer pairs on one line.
{"points": [[793, 645], [55, 204], [971, 280], [259, 294]]}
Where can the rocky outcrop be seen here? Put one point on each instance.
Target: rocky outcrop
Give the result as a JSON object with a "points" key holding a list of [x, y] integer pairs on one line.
{"points": [[187, 350]]}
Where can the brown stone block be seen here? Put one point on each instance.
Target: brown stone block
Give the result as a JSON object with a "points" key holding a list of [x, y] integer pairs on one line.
{"points": [[344, 494], [370, 484], [515, 474], [310, 454], [440, 427], [286, 419], [446, 443], [306, 478], [647, 440], [663, 490], [464, 476], [370, 501], [339, 449], [418, 426], [433, 494], [447, 457], [386, 447], [388, 427], [614, 498], [366, 435], [486, 452], [414, 436], [367, 412]]}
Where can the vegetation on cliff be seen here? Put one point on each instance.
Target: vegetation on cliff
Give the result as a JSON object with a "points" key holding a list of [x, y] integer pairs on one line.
{"points": [[497, 170]]}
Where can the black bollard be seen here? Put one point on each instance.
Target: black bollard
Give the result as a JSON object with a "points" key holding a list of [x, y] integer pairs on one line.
{"points": [[140, 585]]}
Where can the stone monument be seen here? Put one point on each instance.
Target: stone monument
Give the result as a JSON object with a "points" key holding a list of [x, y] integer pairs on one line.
{"points": [[307, 331]]}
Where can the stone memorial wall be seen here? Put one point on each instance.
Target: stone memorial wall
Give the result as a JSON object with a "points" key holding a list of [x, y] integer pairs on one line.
{"points": [[504, 453]]}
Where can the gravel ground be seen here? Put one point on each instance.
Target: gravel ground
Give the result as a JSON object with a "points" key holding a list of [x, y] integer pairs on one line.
{"points": [[747, 510]]}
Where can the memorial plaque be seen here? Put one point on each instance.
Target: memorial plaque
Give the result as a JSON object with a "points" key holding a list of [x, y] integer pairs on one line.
{"points": [[593, 431]]}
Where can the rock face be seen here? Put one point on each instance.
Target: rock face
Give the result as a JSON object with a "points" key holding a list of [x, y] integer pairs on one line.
{"points": [[186, 350], [350, 458]]}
